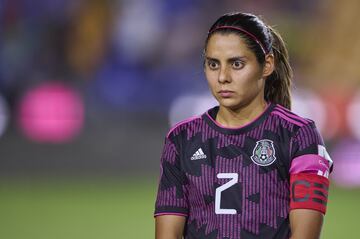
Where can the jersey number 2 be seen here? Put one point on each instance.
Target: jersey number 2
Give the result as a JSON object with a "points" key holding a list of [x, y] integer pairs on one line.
{"points": [[234, 179]]}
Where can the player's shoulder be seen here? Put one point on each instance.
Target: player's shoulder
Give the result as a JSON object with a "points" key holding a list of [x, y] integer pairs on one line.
{"points": [[291, 117], [183, 125]]}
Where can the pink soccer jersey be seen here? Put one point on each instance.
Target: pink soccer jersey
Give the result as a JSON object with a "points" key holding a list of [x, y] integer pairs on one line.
{"points": [[235, 182]]}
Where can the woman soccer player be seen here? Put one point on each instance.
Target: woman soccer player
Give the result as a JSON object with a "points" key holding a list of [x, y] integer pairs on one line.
{"points": [[248, 168]]}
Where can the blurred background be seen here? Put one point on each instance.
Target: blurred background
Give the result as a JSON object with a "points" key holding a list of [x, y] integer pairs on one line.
{"points": [[89, 88]]}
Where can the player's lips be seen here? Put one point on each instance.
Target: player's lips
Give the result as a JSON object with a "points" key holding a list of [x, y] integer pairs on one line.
{"points": [[226, 93]]}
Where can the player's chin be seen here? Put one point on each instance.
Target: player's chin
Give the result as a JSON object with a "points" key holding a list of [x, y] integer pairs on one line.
{"points": [[229, 103]]}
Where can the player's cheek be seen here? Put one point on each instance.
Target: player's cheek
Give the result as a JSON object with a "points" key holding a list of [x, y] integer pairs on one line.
{"points": [[212, 82]]}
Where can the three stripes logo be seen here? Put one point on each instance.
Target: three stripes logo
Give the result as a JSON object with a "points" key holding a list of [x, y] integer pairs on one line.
{"points": [[199, 154]]}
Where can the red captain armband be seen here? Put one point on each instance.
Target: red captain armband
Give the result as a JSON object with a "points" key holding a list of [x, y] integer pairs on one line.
{"points": [[308, 191]]}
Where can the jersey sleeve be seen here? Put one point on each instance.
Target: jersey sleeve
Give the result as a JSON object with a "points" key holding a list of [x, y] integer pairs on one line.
{"points": [[308, 152], [309, 170], [172, 196]]}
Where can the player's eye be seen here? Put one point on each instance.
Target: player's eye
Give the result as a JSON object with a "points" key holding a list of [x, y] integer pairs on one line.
{"points": [[213, 65], [238, 64]]}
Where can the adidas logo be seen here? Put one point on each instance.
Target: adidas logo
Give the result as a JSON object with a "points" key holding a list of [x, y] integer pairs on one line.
{"points": [[199, 154]]}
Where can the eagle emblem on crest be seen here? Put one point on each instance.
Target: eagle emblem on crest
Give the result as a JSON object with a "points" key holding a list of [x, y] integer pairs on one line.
{"points": [[264, 153]]}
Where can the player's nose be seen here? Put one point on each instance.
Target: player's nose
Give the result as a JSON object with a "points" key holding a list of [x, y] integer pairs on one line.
{"points": [[224, 76]]}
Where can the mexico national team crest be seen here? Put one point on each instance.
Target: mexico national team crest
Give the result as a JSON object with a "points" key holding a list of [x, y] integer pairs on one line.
{"points": [[264, 153]]}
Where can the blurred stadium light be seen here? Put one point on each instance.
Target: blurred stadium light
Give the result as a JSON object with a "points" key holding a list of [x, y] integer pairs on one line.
{"points": [[187, 106], [353, 116], [51, 112], [4, 115], [309, 105], [347, 166]]}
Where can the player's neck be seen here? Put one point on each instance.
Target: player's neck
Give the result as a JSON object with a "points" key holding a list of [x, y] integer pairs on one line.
{"points": [[241, 116]]}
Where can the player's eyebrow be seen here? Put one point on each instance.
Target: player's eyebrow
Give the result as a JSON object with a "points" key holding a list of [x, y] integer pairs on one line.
{"points": [[211, 59], [231, 59], [237, 58]]}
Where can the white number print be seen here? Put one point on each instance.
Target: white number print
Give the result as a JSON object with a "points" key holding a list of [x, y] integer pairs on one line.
{"points": [[234, 179]]}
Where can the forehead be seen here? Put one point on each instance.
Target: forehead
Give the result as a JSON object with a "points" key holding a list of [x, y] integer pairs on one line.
{"points": [[227, 45]]}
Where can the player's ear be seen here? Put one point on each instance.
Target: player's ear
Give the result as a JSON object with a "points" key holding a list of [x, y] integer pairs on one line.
{"points": [[269, 65]]}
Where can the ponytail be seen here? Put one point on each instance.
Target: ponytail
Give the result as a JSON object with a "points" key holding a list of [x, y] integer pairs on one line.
{"points": [[278, 84]]}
